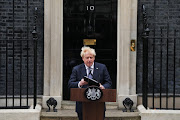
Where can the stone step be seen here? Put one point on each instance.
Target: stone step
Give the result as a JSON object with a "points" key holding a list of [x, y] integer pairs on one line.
{"points": [[71, 105], [70, 114], [75, 118]]}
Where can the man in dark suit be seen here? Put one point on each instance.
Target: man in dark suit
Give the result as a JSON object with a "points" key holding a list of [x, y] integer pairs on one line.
{"points": [[96, 70]]}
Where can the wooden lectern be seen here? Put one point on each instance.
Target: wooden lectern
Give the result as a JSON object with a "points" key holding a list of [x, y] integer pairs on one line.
{"points": [[93, 110]]}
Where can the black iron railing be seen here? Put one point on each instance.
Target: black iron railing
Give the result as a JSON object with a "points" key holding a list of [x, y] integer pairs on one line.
{"points": [[18, 71], [160, 67], [18, 57]]}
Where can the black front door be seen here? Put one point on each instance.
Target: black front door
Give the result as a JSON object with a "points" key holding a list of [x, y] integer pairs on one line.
{"points": [[95, 21]]}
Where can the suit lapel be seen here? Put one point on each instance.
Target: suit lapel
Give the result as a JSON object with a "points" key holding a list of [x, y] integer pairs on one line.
{"points": [[95, 73]]}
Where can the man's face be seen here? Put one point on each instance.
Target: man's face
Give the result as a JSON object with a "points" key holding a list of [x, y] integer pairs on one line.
{"points": [[88, 59]]}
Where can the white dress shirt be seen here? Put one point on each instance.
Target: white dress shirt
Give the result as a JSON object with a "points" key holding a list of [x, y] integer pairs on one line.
{"points": [[92, 70]]}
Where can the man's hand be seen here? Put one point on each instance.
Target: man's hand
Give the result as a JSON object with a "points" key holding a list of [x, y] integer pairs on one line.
{"points": [[82, 82], [101, 86]]}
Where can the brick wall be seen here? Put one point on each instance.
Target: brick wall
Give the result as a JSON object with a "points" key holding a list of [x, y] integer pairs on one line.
{"points": [[165, 15], [17, 23]]}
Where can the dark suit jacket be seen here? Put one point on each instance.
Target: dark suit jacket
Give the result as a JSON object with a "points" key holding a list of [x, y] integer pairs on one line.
{"points": [[100, 74]]}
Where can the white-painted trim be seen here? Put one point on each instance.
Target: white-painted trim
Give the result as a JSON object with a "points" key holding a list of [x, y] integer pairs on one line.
{"points": [[149, 114], [21, 114]]}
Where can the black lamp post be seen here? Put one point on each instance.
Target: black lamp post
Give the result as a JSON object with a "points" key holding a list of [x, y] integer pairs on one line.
{"points": [[145, 37], [35, 38]]}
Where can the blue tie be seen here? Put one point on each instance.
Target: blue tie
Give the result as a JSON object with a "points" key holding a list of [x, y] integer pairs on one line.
{"points": [[90, 73]]}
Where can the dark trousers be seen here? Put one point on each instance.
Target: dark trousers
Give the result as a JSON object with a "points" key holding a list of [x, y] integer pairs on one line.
{"points": [[80, 116]]}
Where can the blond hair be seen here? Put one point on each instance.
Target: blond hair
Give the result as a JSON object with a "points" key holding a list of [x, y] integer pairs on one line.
{"points": [[86, 49]]}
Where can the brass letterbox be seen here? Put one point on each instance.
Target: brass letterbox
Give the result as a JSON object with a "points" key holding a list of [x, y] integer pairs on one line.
{"points": [[89, 41]]}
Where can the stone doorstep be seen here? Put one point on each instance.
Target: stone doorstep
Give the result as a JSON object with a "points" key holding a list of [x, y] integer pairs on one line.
{"points": [[68, 113], [75, 118], [110, 113], [71, 105]]}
